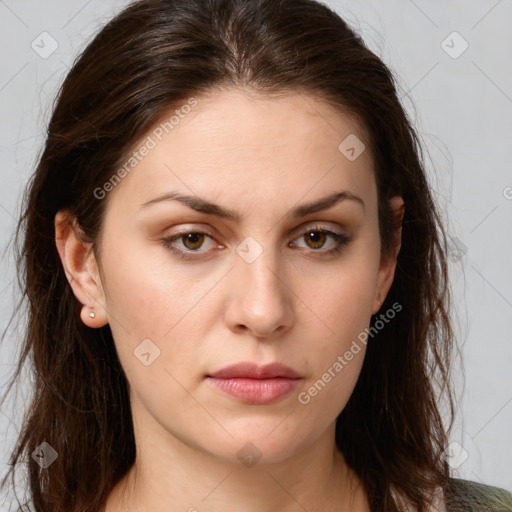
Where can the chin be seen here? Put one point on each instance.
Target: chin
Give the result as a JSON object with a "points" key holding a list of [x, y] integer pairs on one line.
{"points": [[265, 445]]}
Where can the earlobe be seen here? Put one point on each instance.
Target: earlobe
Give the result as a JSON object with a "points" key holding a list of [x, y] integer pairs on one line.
{"points": [[81, 268], [388, 264]]}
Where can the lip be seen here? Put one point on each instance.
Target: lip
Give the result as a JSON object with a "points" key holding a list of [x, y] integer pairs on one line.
{"points": [[250, 370], [256, 385]]}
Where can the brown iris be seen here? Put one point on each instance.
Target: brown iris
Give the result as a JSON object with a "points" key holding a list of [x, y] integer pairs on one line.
{"points": [[194, 239], [317, 237]]}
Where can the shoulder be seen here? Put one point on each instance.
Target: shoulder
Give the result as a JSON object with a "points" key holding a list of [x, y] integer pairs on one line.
{"points": [[467, 496]]}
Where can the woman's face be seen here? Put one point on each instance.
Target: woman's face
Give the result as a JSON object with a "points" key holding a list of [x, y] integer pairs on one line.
{"points": [[255, 281]]}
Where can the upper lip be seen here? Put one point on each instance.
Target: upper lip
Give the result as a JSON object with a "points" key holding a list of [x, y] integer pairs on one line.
{"points": [[253, 371]]}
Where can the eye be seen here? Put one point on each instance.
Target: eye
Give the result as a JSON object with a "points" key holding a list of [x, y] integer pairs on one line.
{"points": [[192, 241], [316, 237]]}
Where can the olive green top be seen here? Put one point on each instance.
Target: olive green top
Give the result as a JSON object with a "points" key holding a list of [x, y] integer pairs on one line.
{"points": [[466, 496]]}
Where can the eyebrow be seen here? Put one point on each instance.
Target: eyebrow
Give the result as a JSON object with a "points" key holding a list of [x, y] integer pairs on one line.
{"points": [[203, 206]]}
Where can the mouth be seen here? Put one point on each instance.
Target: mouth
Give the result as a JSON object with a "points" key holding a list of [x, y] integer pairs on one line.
{"points": [[256, 385]]}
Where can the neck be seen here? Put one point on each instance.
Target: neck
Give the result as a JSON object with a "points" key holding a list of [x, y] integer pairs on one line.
{"points": [[169, 474]]}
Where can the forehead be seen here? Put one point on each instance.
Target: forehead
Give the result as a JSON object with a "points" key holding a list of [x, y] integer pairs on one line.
{"points": [[238, 143], [267, 119]]}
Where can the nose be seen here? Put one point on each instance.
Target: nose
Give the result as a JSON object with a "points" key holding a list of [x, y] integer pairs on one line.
{"points": [[261, 299]]}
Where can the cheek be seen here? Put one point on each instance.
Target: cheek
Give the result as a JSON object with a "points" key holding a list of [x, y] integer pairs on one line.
{"points": [[335, 358], [147, 293], [338, 317], [342, 303], [329, 391], [140, 306], [149, 298]]}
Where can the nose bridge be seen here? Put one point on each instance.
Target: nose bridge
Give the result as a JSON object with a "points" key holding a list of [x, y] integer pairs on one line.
{"points": [[262, 297], [258, 264]]}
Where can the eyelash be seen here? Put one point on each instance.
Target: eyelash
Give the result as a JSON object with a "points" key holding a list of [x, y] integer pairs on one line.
{"points": [[341, 240]]}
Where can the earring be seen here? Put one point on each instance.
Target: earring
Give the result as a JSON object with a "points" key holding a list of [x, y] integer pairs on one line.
{"points": [[92, 314]]}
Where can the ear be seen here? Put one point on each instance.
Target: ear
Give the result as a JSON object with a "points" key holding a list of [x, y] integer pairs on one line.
{"points": [[81, 269], [388, 262]]}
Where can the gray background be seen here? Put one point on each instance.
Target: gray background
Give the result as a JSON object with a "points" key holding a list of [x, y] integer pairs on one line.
{"points": [[461, 103]]}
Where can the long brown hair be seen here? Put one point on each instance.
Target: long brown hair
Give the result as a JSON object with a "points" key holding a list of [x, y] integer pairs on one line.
{"points": [[152, 57]]}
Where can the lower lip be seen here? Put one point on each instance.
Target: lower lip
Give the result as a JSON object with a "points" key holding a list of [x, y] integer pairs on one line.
{"points": [[256, 391]]}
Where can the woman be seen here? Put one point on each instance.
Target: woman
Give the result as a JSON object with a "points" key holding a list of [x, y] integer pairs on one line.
{"points": [[236, 275]]}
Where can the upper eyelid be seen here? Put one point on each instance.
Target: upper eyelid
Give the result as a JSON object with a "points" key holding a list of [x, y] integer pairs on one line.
{"points": [[318, 225]]}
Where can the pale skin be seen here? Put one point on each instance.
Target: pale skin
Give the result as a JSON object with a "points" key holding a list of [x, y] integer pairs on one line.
{"points": [[260, 157]]}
